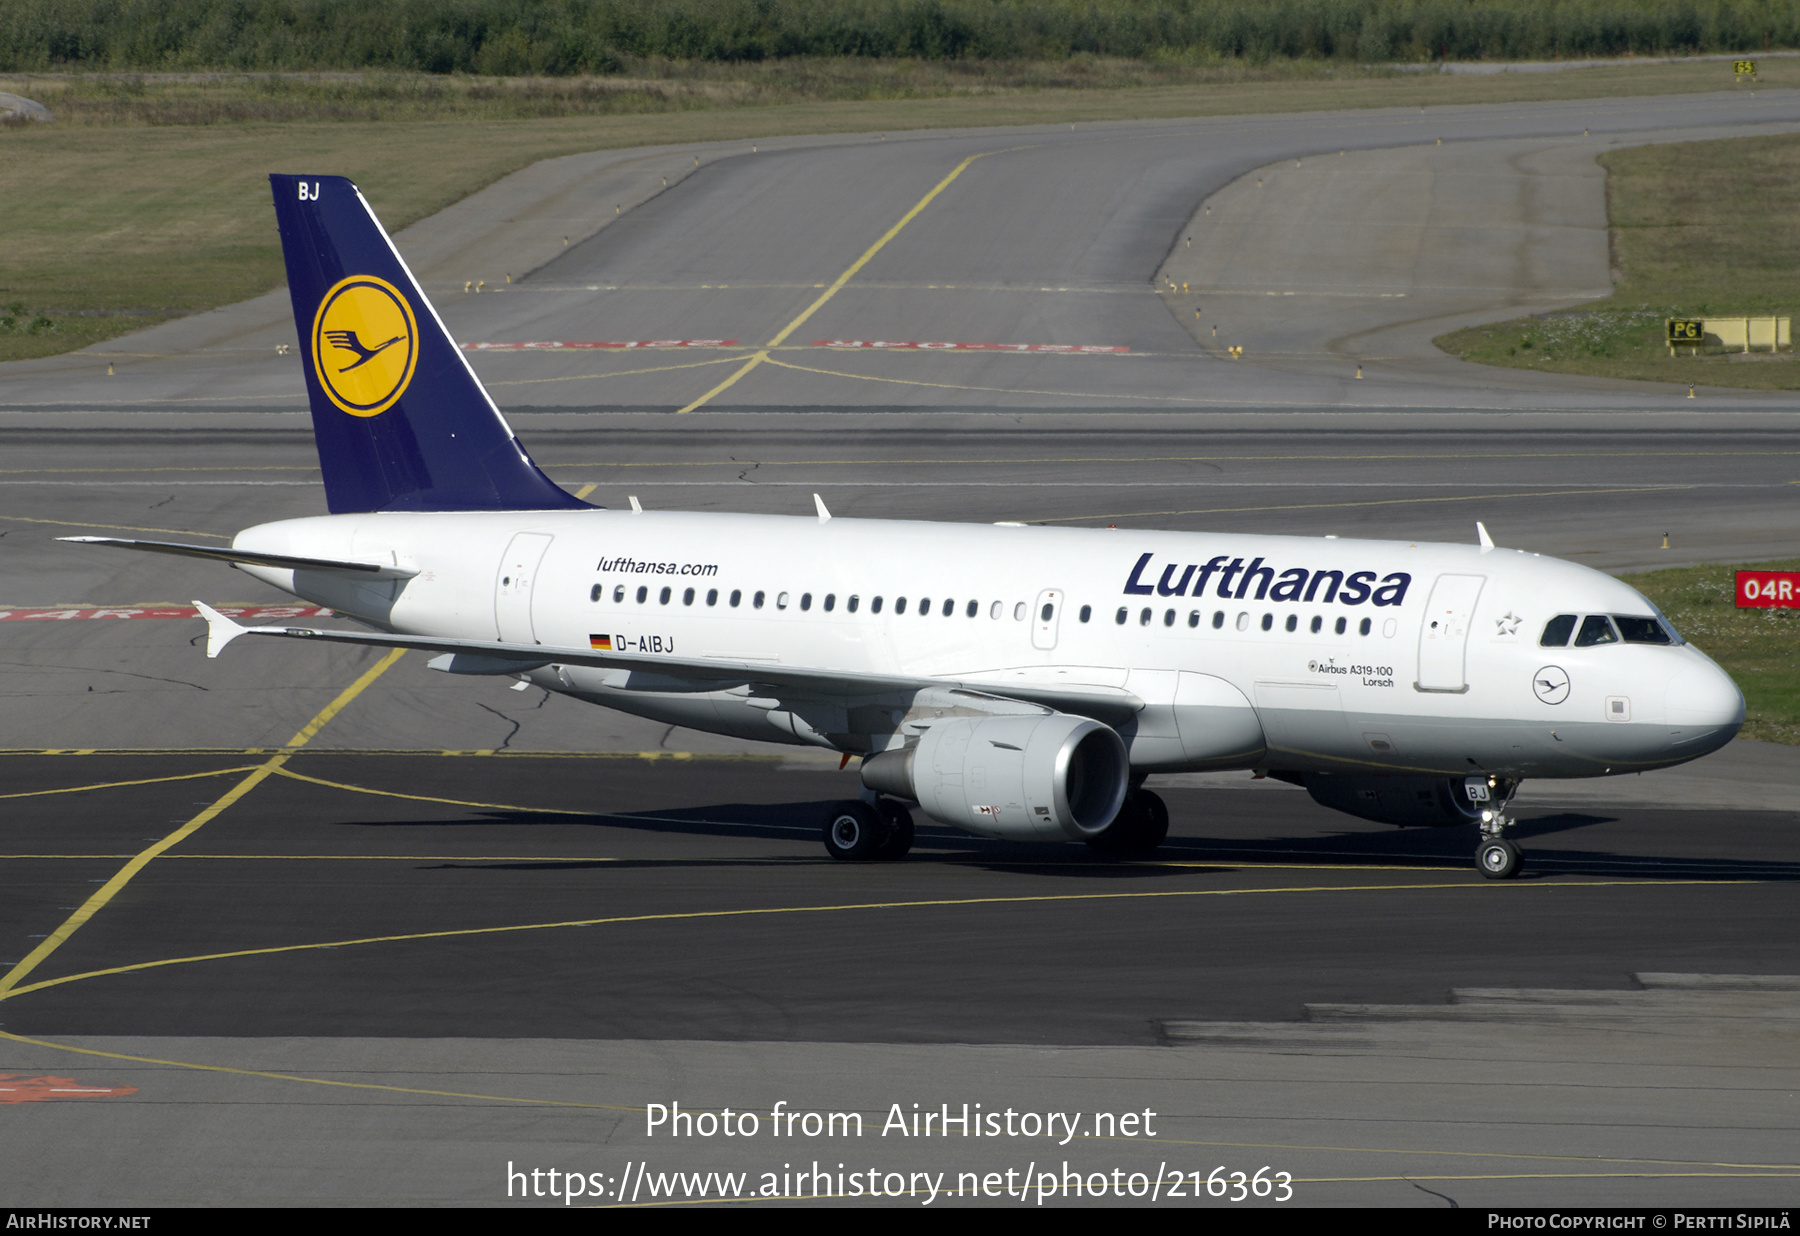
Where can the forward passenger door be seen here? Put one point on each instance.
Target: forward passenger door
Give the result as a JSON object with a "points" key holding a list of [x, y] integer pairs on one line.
{"points": [[1444, 632]]}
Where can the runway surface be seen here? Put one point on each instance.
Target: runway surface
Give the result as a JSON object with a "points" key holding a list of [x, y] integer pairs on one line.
{"points": [[429, 927]]}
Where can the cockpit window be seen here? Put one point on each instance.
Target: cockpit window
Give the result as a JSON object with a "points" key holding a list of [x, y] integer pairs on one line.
{"points": [[1641, 630], [1596, 629], [1674, 635], [1557, 631]]}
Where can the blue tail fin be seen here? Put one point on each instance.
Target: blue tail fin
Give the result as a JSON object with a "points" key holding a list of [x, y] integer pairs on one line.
{"points": [[402, 422]]}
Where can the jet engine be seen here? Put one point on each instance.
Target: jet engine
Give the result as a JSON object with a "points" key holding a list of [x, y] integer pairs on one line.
{"points": [[1039, 778], [1391, 800]]}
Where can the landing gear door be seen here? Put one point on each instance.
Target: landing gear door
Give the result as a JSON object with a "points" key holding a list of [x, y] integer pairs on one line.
{"points": [[513, 584], [1044, 617], [1444, 633]]}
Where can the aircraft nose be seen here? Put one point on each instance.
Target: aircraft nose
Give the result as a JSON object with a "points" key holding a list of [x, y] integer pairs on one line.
{"points": [[1703, 702]]}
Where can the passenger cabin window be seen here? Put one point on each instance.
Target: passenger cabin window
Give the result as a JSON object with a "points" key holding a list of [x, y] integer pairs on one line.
{"points": [[852, 603], [1193, 618], [1169, 618], [830, 601], [1341, 624], [737, 594], [1268, 621], [1087, 611], [1596, 629], [619, 594], [1557, 631], [643, 595], [687, 597], [712, 596], [974, 608], [1144, 618], [924, 607], [875, 606], [1218, 619], [781, 601], [1120, 616], [757, 600], [949, 607], [664, 598], [598, 591], [1641, 630], [805, 601], [1363, 626], [899, 605]]}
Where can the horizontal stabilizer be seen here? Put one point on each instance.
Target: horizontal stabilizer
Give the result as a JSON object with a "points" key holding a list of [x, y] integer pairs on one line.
{"points": [[370, 570]]}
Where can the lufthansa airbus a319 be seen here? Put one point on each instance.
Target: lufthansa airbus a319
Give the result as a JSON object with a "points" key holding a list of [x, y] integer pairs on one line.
{"points": [[1017, 682]]}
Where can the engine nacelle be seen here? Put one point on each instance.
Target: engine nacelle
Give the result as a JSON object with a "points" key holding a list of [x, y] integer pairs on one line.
{"points": [[1394, 800], [1041, 778]]}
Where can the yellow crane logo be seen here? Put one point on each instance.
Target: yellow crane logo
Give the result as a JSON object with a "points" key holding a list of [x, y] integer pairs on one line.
{"points": [[364, 345]]}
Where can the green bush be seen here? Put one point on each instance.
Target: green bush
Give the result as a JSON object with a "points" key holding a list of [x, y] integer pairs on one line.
{"points": [[562, 37]]}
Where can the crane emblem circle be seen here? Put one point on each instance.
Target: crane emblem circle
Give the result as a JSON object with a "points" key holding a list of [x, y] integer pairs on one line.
{"points": [[1551, 684], [364, 344]]}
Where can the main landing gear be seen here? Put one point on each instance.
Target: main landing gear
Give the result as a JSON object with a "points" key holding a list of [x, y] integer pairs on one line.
{"points": [[1495, 857], [858, 832], [1140, 826]]}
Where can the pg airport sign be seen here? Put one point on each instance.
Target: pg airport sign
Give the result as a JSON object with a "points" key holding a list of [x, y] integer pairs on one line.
{"points": [[1768, 589]]}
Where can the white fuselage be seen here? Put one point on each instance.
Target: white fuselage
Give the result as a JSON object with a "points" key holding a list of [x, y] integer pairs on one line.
{"points": [[1205, 650]]}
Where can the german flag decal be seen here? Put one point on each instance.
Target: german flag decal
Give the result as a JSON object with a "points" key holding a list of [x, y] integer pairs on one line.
{"points": [[601, 643]]}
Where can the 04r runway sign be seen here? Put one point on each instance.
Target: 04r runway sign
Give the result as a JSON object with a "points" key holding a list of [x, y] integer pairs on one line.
{"points": [[1768, 589]]}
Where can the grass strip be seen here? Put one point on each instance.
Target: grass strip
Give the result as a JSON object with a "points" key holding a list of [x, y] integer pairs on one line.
{"points": [[1700, 229]]}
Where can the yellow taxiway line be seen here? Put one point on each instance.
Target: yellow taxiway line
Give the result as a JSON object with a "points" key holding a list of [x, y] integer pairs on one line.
{"points": [[9, 984]]}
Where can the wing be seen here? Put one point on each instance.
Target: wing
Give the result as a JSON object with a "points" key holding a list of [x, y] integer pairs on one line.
{"points": [[657, 672]]}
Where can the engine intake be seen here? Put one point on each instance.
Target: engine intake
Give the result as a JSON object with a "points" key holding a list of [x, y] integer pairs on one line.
{"points": [[1043, 778]]}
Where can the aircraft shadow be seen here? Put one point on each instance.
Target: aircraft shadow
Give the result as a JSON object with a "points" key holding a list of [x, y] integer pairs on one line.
{"points": [[789, 821], [1455, 846], [1452, 846]]}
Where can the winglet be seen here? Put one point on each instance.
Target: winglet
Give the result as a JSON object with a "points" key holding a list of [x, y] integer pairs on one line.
{"points": [[1487, 542], [824, 515], [220, 630]]}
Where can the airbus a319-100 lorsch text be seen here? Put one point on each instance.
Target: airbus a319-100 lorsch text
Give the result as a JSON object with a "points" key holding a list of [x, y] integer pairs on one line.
{"points": [[1017, 682]]}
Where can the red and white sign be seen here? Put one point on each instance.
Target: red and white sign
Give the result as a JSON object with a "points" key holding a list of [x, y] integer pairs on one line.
{"points": [[555, 345], [915, 345], [19, 1088], [1768, 589], [259, 613]]}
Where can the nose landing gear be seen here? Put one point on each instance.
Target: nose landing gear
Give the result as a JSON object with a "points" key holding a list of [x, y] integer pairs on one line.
{"points": [[1495, 857]]}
